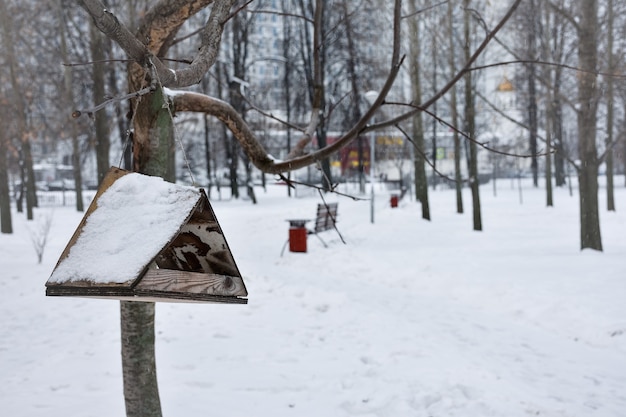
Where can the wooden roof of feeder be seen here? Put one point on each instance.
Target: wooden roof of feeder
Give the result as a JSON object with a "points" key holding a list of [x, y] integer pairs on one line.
{"points": [[145, 239]]}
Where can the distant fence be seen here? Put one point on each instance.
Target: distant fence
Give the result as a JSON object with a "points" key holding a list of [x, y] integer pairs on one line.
{"points": [[62, 198]]}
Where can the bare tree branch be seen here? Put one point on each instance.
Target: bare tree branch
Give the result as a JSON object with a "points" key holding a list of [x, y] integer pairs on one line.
{"points": [[425, 157], [284, 14], [454, 80], [91, 111], [157, 36], [525, 127], [318, 83], [553, 64], [187, 101], [425, 9], [483, 145]]}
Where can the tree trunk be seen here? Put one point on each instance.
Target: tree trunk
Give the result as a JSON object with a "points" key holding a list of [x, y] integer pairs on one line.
{"points": [[19, 101], [470, 125], [548, 172], [532, 91], [153, 154], [322, 128], [289, 68], [76, 170], [327, 182], [69, 100], [6, 223], [98, 55], [421, 181], [153, 141], [433, 47], [141, 391], [455, 116], [610, 195], [545, 41], [207, 155], [249, 179], [557, 129], [30, 190], [587, 119], [355, 115]]}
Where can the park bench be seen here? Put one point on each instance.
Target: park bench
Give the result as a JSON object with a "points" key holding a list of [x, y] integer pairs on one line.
{"points": [[325, 219]]}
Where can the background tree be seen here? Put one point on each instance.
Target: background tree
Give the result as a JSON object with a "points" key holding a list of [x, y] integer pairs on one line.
{"points": [[68, 98], [470, 122], [6, 222], [20, 99], [610, 94], [454, 112], [587, 26], [419, 155], [98, 48], [532, 31]]}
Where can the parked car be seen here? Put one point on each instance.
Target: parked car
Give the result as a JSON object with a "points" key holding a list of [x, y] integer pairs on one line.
{"points": [[61, 185]]}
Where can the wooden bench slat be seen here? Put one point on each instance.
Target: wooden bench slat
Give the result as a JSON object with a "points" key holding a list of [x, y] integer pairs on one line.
{"points": [[326, 217]]}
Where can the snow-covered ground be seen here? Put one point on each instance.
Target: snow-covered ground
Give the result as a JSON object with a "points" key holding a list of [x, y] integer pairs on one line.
{"points": [[409, 318]]}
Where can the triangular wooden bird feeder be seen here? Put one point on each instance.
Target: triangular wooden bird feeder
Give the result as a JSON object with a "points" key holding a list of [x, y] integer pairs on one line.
{"points": [[144, 239]]}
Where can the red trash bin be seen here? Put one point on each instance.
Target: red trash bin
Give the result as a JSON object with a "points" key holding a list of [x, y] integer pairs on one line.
{"points": [[297, 235], [394, 201]]}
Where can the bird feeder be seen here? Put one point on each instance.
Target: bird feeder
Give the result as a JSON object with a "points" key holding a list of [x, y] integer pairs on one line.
{"points": [[144, 239]]}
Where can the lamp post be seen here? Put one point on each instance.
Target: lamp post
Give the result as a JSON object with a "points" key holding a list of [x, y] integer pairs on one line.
{"points": [[371, 96]]}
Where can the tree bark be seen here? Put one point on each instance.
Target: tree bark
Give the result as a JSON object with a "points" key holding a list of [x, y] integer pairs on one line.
{"points": [[240, 26], [153, 155], [548, 167], [141, 391], [610, 194], [470, 125], [69, 100], [587, 119], [421, 180], [454, 114], [22, 110], [319, 89], [549, 113], [102, 144], [356, 93], [6, 223], [532, 90]]}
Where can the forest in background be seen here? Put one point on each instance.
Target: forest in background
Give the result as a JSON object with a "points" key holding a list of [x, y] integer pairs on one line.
{"points": [[564, 61]]}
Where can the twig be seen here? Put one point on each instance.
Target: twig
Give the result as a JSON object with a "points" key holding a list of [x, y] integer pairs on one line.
{"points": [[284, 14], [553, 64], [441, 174], [466, 136], [101, 61], [425, 9], [77, 113], [269, 115], [239, 9], [292, 183]]}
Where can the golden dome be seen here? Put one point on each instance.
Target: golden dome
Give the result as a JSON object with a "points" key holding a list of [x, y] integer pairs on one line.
{"points": [[505, 86]]}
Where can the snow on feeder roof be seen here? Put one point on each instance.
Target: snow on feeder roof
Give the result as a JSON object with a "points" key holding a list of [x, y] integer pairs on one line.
{"points": [[145, 239]]}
